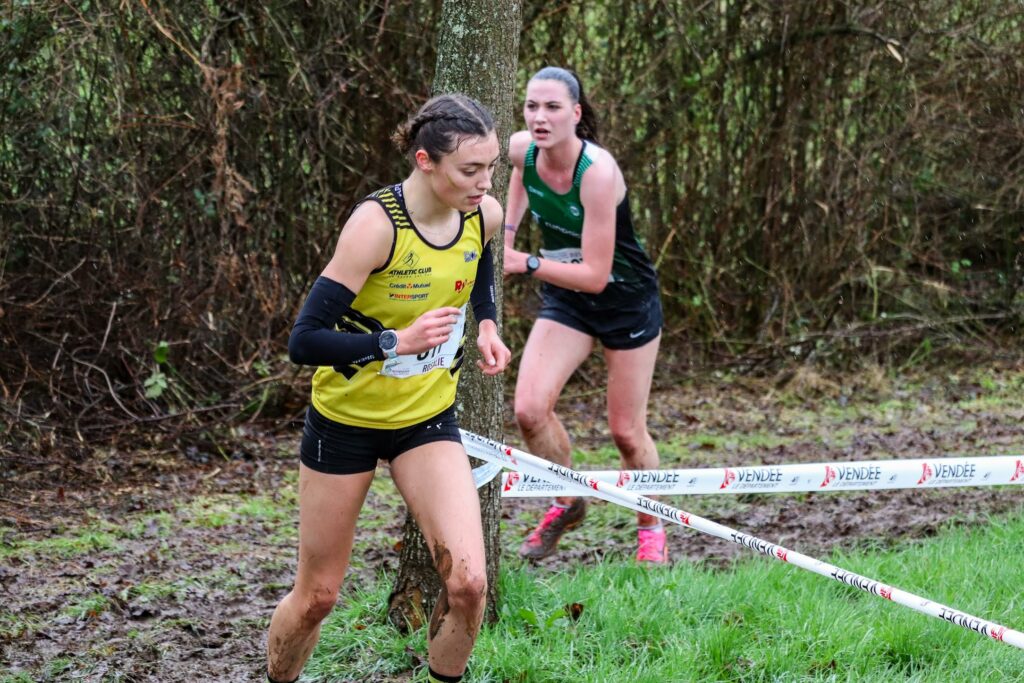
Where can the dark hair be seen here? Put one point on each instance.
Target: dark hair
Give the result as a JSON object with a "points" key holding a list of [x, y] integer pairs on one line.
{"points": [[441, 124], [587, 127]]}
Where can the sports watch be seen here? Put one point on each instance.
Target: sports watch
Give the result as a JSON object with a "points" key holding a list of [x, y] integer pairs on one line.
{"points": [[532, 264], [388, 343]]}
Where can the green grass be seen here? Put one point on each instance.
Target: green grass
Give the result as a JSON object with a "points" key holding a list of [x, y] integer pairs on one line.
{"points": [[222, 510], [13, 626], [88, 541], [759, 620], [87, 606]]}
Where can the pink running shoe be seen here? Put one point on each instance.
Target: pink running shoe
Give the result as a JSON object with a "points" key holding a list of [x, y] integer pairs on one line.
{"points": [[651, 546], [542, 541]]}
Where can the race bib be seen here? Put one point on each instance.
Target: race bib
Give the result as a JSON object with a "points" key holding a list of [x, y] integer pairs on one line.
{"points": [[440, 357], [567, 255]]}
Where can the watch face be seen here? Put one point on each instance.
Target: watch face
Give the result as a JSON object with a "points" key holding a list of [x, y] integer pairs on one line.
{"points": [[388, 340], [532, 263]]}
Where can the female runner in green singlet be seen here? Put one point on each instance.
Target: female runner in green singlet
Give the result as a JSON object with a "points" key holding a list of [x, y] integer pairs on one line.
{"points": [[599, 284]]}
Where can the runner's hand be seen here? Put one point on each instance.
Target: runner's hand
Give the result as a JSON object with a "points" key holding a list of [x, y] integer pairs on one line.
{"points": [[430, 329], [514, 261], [496, 355]]}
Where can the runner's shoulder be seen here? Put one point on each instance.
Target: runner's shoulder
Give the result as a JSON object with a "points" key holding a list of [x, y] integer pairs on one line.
{"points": [[518, 143], [492, 214]]}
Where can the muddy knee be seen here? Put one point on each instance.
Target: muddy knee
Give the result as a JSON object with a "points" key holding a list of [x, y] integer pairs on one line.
{"points": [[630, 441], [467, 592], [532, 415], [317, 605]]}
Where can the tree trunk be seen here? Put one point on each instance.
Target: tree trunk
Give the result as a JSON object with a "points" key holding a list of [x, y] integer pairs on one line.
{"points": [[477, 54]]}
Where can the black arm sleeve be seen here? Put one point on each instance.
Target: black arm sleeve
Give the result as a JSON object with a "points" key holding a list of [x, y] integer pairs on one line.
{"points": [[482, 296], [314, 341]]}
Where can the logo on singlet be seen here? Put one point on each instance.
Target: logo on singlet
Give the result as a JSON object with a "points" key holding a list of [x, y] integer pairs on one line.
{"points": [[533, 190], [574, 210], [469, 256], [410, 260]]}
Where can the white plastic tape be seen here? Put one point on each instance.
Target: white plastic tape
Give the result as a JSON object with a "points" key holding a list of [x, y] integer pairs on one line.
{"points": [[874, 475], [580, 483]]}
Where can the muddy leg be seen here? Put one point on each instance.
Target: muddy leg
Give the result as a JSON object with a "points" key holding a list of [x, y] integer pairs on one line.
{"points": [[436, 483], [328, 507]]}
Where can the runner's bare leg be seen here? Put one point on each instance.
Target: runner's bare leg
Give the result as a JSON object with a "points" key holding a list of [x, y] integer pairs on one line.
{"points": [[437, 484], [329, 505], [553, 352], [629, 388]]}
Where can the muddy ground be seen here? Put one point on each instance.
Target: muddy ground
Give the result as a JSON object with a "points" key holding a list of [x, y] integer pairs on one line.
{"points": [[166, 566]]}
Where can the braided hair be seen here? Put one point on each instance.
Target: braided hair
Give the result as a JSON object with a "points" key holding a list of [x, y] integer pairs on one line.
{"points": [[441, 124], [587, 127]]}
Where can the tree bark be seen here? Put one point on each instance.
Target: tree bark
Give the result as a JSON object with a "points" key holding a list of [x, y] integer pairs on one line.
{"points": [[477, 54]]}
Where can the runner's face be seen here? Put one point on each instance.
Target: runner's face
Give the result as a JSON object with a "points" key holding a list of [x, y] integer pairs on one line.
{"points": [[551, 115], [462, 178]]}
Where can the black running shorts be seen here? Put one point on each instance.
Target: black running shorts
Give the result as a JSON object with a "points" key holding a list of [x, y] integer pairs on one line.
{"points": [[335, 448], [622, 317]]}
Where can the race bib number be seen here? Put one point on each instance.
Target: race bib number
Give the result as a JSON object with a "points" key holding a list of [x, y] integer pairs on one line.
{"points": [[567, 255], [441, 356]]}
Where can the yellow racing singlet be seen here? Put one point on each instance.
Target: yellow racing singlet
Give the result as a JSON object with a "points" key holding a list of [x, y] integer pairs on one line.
{"points": [[417, 278]]}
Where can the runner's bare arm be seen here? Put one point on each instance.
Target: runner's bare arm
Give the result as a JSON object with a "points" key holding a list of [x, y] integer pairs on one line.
{"points": [[597, 193], [364, 246], [516, 202]]}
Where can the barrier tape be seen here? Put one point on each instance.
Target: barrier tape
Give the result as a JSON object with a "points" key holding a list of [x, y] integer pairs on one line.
{"points": [[493, 452], [874, 475]]}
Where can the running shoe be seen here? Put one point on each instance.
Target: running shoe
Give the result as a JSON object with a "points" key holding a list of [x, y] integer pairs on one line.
{"points": [[651, 546], [542, 541]]}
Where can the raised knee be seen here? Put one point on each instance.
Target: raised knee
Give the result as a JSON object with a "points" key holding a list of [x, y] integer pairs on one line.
{"points": [[467, 592]]}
